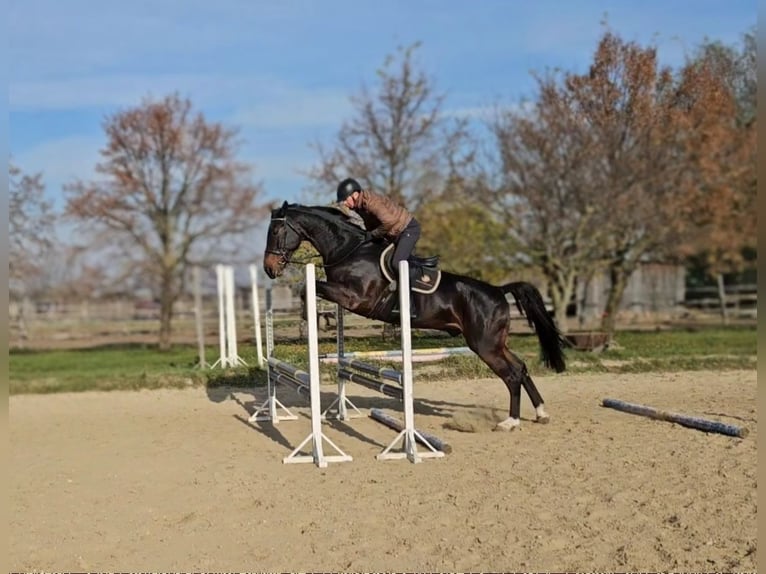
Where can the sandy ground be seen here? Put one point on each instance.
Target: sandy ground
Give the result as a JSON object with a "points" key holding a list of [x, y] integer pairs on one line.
{"points": [[180, 481]]}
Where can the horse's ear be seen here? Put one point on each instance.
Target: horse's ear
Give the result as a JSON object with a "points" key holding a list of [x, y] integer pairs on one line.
{"points": [[279, 212]]}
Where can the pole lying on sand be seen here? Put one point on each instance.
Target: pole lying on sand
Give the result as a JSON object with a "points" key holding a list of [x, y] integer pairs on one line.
{"points": [[398, 425], [687, 421]]}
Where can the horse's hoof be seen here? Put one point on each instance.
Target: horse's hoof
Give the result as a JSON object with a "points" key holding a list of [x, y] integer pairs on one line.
{"points": [[508, 425], [544, 420]]}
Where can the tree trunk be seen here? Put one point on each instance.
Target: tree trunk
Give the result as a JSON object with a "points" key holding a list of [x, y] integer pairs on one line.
{"points": [[722, 299], [167, 300], [560, 289], [619, 280], [20, 324]]}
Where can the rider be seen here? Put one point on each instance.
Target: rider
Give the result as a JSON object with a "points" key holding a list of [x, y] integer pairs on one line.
{"points": [[383, 218]]}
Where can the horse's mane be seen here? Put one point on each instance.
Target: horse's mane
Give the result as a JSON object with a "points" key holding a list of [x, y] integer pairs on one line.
{"points": [[329, 214]]}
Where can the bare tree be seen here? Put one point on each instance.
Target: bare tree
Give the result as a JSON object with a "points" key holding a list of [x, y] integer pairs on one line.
{"points": [[170, 186], [399, 142], [30, 225], [545, 194], [30, 219]]}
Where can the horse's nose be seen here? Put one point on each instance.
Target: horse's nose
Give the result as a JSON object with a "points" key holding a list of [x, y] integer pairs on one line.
{"points": [[271, 264]]}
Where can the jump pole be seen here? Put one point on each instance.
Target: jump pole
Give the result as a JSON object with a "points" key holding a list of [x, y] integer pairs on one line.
{"points": [[234, 358], [223, 358], [409, 435], [687, 421], [341, 400], [255, 304], [199, 318]]}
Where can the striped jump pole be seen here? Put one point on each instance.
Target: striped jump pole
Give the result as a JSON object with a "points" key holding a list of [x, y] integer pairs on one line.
{"points": [[687, 421], [418, 355], [370, 383], [382, 372]]}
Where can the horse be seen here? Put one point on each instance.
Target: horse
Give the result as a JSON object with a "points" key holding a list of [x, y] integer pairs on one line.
{"points": [[358, 281]]}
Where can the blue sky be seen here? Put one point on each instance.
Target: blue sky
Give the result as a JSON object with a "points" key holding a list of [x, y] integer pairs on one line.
{"points": [[282, 72]]}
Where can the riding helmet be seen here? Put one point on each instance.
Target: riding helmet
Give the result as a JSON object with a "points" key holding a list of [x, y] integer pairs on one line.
{"points": [[347, 187]]}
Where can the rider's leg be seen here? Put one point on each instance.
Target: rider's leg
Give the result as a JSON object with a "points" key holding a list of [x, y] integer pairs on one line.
{"points": [[405, 244]]}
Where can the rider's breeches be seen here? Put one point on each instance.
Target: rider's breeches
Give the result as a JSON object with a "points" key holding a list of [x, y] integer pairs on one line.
{"points": [[405, 243]]}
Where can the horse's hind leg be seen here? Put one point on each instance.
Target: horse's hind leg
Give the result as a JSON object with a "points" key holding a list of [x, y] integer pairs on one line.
{"points": [[487, 339], [513, 371], [511, 376], [530, 387]]}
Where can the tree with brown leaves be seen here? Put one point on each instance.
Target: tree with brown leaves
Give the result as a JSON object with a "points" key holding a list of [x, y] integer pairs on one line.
{"points": [[399, 141], [616, 165], [170, 187], [726, 228], [664, 141], [545, 194]]}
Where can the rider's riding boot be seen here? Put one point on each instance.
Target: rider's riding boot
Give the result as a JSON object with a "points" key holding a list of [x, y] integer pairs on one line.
{"points": [[413, 309]]}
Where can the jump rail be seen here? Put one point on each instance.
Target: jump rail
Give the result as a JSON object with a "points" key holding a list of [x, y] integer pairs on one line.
{"points": [[687, 421], [417, 355]]}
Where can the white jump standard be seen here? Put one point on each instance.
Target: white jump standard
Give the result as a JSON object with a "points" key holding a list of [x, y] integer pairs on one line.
{"points": [[227, 321], [302, 382]]}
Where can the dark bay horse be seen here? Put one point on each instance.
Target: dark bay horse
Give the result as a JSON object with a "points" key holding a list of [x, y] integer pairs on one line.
{"points": [[460, 304]]}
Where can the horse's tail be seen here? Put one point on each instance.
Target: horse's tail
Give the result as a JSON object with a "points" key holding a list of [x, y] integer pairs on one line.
{"points": [[530, 304]]}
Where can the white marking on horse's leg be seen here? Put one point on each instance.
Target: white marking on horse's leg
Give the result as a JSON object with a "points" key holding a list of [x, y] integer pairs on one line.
{"points": [[542, 416], [508, 424]]}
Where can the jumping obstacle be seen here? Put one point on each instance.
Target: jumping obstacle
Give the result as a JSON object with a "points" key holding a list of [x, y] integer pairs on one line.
{"points": [[380, 379], [687, 421], [227, 329], [281, 373]]}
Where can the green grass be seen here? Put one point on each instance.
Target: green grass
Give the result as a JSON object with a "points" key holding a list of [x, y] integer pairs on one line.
{"points": [[143, 367]]}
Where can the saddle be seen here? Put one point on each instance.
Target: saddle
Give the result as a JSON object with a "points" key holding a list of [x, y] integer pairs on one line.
{"points": [[425, 274]]}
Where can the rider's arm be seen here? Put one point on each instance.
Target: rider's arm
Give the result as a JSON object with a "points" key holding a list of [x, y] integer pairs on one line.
{"points": [[384, 210]]}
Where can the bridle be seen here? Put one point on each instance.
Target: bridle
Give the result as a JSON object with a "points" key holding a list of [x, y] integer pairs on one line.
{"points": [[279, 250], [284, 257]]}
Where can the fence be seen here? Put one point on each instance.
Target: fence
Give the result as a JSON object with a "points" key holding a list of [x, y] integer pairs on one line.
{"points": [[49, 324]]}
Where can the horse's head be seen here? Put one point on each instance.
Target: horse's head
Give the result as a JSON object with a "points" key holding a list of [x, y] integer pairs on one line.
{"points": [[282, 241], [328, 229]]}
